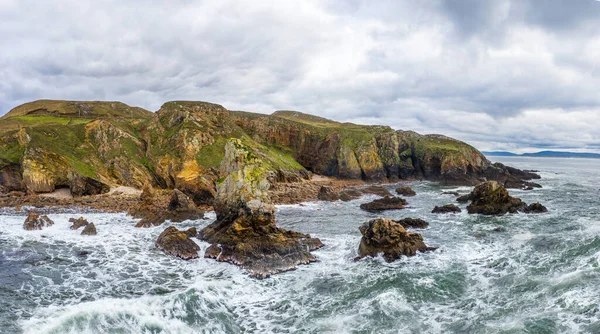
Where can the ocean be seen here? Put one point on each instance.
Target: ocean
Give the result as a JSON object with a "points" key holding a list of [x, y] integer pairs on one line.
{"points": [[515, 273]]}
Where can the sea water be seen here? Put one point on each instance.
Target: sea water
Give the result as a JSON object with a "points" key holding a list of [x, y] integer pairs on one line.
{"points": [[538, 273]]}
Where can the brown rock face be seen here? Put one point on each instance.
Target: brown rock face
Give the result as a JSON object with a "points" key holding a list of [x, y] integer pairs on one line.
{"points": [[386, 236], [386, 203], [327, 193], [89, 229], [244, 232], [448, 208], [489, 198], [77, 223], [36, 222], [405, 191], [178, 243]]}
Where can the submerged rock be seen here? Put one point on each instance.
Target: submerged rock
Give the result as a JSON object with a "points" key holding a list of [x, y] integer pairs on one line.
{"points": [[412, 223], [448, 208], [405, 191], [89, 229], [489, 198], [77, 223], [535, 208], [178, 243], [244, 232], [386, 236], [386, 203], [36, 222], [454, 193]]}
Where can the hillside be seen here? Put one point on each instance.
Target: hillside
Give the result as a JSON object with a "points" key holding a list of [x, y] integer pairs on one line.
{"points": [[92, 146]]}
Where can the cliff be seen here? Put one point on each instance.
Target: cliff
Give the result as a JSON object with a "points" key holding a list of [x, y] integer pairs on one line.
{"points": [[92, 146]]}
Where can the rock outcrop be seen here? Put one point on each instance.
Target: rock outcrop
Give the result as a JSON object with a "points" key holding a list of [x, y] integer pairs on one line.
{"points": [[89, 229], [178, 243], [36, 222], [448, 208], [180, 208], [244, 232], [386, 203], [535, 208], [77, 223], [405, 191], [412, 223], [387, 237], [489, 198]]}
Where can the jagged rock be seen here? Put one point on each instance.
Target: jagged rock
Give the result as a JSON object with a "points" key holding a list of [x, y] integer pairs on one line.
{"points": [[376, 190], [405, 191], [244, 232], [89, 229], [386, 203], [448, 208], [489, 198], [327, 193], [77, 223], [36, 222], [178, 243], [85, 186], [412, 223], [179, 209], [535, 208], [386, 236]]}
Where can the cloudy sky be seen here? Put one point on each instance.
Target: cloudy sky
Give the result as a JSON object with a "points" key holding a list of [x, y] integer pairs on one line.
{"points": [[518, 75]]}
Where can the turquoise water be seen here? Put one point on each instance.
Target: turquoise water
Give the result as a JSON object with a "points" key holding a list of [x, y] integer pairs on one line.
{"points": [[541, 274]]}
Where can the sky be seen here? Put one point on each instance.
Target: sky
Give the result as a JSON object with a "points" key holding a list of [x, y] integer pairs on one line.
{"points": [[515, 75]]}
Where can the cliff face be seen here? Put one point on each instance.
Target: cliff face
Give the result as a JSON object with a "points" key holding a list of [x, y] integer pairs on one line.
{"points": [[90, 146]]}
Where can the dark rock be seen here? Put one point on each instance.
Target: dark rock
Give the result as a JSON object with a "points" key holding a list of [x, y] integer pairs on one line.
{"points": [[77, 223], [245, 233], [36, 222], [89, 229], [350, 194], [405, 191], [464, 198], [535, 208], [376, 190], [448, 208], [454, 193], [489, 198], [327, 193], [386, 236], [85, 186], [412, 223], [386, 203], [178, 243]]}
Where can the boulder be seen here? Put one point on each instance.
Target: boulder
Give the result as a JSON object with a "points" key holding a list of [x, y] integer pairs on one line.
{"points": [[245, 233], [376, 190], [350, 194], [489, 198], [89, 229], [178, 243], [448, 208], [386, 203], [327, 193], [388, 237], [412, 223], [405, 191], [535, 208], [77, 223], [36, 222]]}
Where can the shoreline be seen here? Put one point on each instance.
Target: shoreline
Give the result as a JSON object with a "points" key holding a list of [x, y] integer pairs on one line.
{"points": [[282, 193]]}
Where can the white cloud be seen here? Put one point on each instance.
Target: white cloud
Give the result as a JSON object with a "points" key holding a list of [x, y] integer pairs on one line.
{"points": [[499, 74]]}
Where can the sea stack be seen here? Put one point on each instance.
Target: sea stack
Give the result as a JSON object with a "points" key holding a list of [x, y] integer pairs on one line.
{"points": [[244, 232]]}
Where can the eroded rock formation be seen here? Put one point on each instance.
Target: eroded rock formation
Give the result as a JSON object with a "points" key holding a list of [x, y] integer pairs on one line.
{"points": [[178, 243], [389, 238], [244, 232], [36, 222]]}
